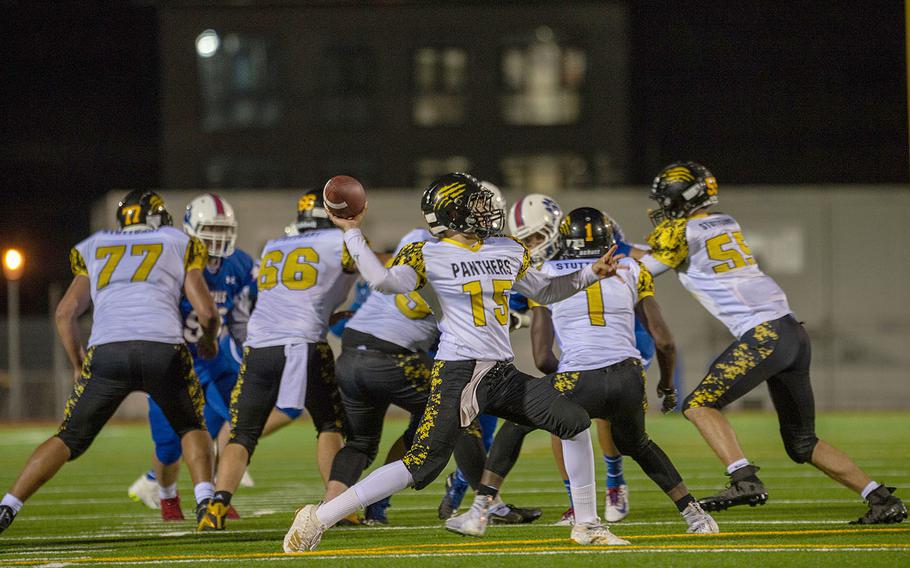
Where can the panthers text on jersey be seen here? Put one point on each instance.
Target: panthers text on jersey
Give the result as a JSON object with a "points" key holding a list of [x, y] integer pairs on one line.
{"points": [[715, 264], [233, 288], [596, 328], [302, 279], [136, 282], [403, 319]]}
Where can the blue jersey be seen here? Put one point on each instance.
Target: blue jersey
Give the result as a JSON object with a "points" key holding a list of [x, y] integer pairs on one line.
{"points": [[233, 287]]}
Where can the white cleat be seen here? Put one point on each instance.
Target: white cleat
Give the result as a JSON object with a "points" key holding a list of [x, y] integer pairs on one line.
{"points": [[145, 490], [246, 480], [617, 504], [305, 532], [699, 521], [596, 534], [474, 522]]}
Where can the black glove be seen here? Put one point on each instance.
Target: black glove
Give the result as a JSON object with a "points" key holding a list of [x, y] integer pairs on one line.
{"points": [[669, 397]]}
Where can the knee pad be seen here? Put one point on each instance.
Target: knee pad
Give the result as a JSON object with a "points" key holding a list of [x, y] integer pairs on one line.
{"points": [[76, 447], [292, 413], [168, 451], [799, 444], [245, 439], [349, 464], [573, 419]]}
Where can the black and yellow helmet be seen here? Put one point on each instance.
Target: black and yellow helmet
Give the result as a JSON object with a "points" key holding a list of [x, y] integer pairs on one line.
{"points": [[461, 203], [310, 213], [142, 208], [680, 188], [584, 233]]}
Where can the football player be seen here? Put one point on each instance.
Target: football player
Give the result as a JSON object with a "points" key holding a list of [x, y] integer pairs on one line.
{"points": [[600, 368], [231, 280], [472, 275], [286, 360], [133, 277], [713, 262]]}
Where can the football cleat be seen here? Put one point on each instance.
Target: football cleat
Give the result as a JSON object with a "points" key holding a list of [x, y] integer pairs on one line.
{"points": [[7, 516], [474, 521], [211, 515], [145, 490], [376, 513], [352, 520], [170, 509], [698, 520], [453, 497], [247, 480], [305, 532], [232, 513], [503, 514], [596, 534], [744, 489], [567, 519], [884, 508], [617, 504]]}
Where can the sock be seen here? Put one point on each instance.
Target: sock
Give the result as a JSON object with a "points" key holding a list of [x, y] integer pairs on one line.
{"points": [[579, 460], [568, 490], [168, 492], [614, 471], [12, 502], [738, 464], [383, 482], [203, 490], [223, 497], [150, 475], [872, 486], [487, 490], [684, 502], [460, 482]]}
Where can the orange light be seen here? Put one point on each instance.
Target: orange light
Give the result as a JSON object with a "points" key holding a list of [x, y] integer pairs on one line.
{"points": [[13, 264]]}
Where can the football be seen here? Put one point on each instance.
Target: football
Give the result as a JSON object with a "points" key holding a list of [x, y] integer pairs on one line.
{"points": [[345, 196]]}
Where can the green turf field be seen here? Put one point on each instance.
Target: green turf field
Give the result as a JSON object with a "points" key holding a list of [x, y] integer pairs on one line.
{"points": [[84, 516]]}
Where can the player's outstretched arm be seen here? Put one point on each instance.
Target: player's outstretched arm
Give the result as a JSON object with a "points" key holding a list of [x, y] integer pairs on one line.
{"points": [[398, 279], [74, 303], [197, 292], [546, 289], [648, 311], [542, 340]]}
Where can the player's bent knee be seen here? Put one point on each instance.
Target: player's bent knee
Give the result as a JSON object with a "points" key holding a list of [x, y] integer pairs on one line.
{"points": [[573, 420], [799, 446], [77, 447], [169, 451], [247, 441], [349, 464]]}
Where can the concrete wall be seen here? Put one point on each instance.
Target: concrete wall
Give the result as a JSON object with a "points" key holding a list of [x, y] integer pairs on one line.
{"points": [[839, 252]]}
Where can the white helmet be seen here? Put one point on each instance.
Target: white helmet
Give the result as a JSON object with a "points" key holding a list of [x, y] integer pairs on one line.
{"points": [[211, 219], [537, 213], [499, 202]]}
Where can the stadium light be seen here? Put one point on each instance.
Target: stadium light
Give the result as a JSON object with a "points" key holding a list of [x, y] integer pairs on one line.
{"points": [[13, 264]]}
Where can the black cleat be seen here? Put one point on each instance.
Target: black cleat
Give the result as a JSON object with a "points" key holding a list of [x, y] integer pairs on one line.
{"points": [[210, 515], [7, 516], [516, 516], [884, 508], [744, 489]]}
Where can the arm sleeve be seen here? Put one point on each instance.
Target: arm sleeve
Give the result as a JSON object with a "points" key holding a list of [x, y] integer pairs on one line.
{"points": [[77, 263], [196, 255], [545, 289], [645, 283], [406, 273], [668, 243], [654, 266]]}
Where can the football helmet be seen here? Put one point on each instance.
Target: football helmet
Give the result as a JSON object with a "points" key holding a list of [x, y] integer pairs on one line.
{"points": [[310, 214], [499, 202], [679, 189], [459, 202], [211, 219], [585, 233], [142, 209], [537, 214]]}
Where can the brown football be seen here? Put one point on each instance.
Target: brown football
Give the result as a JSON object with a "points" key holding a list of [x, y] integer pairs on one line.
{"points": [[345, 196]]}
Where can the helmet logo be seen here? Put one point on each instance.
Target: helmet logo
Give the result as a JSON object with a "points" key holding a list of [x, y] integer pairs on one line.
{"points": [[449, 193], [551, 207], [156, 203], [679, 173], [131, 214], [306, 202], [710, 186]]}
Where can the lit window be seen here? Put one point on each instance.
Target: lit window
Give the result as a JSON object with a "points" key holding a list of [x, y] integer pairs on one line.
{"points": [[542, 80], [440, 76], [428, 169], [545, 173], [244, 171]]}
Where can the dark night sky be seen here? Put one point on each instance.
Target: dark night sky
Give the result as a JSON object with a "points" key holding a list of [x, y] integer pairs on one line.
{"points": [[80, 111]]}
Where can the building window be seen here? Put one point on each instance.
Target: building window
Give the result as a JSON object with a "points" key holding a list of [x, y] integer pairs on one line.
{"points": [[347, 83], [545, 173], [428, 169], [244, 171], [440, 78], [239, 81], [542, 80]]}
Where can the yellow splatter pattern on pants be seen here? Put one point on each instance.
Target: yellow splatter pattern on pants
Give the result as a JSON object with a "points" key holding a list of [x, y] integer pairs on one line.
{"points": [[415, 371], [327, 377], [755, 347], [78, 389], [238, 386], [565, 382], [192, 384], [420, 449]]}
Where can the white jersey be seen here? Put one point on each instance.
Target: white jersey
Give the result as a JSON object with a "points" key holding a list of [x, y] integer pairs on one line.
{"points": [[136, 282], [403, 319], [715, 264], [596, 328], [302, 279]]}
